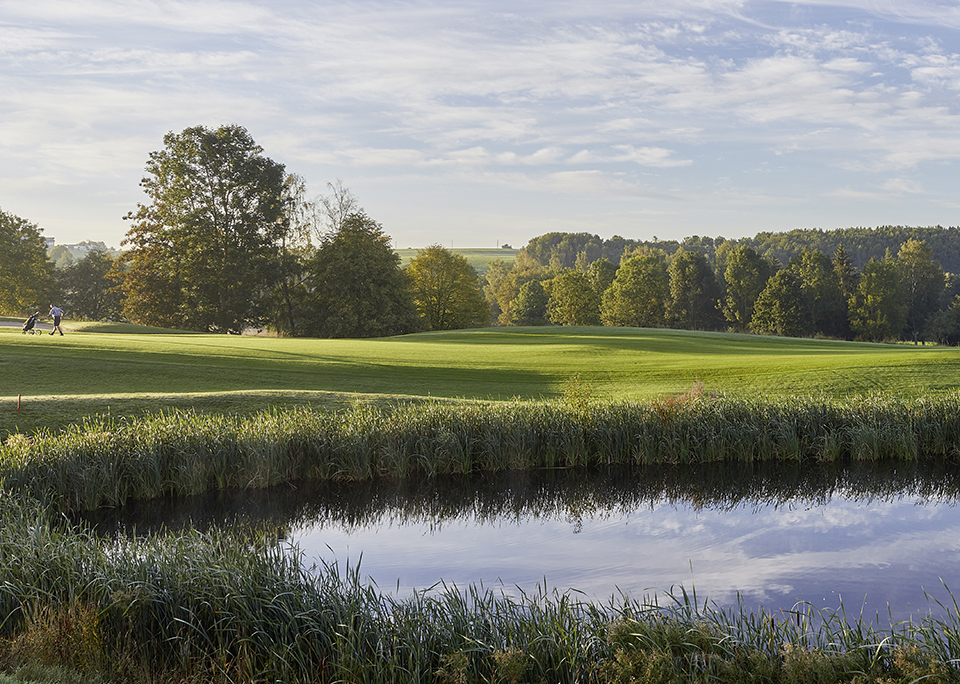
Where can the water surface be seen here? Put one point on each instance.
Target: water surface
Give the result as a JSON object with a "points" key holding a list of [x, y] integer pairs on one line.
{"points": [[876, 537]]}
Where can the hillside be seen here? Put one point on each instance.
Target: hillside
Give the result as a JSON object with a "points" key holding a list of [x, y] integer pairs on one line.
{"points": [[478, 258]]}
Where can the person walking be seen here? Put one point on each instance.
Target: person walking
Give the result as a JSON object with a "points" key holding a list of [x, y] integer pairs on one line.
{"points": [[57, 313]]}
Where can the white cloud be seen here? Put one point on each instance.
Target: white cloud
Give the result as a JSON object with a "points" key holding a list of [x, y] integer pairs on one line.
{"points": [[903, 186], [202, 16], [848, 65], [889, 190]]}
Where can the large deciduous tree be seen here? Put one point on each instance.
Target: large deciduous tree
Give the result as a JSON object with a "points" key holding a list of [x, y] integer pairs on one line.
{"points": [[25, 270], [530, 305], [204, 249], [447, 290], [694, 292], [355, 284], [573, 301], [639, 294], [923, 281], [503, 286], [878, 309], [89, 291], [821, 291], [746, 275], [782, 309], [601, 274], [943, 327], [848, 278]]}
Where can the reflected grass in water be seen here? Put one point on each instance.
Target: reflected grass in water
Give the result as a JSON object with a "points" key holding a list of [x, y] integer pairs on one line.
{"points": [[110, 462], [569, 495], [231, 606]]}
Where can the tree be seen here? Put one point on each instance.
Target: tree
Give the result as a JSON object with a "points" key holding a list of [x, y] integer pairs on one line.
{"points": [[336, 208], [694, 292], [496, 275], [923, 280], [639, 294], [943, 327], [848, 279], [504, 284], [561, 250], [88, 290], [878, 309], [530, 305], [25, 270], [781, 308], [447, 290], [746, 275], [61, 256], [356, 286], [151, 290], [573, 300], [210, 232], [304, 218], [601, 274], [821, 291]]}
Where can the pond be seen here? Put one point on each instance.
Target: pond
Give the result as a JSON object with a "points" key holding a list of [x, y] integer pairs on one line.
{"points": [[881, 538]]}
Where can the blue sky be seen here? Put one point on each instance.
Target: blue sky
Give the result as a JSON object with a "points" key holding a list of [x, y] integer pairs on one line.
{"points": [[473, 124]]}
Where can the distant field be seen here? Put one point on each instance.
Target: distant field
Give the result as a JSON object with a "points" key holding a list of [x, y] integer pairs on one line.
{"points": [[478, 258], [62, 379]]}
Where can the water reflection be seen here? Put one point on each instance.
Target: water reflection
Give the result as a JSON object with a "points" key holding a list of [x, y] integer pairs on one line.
{"points": [[767, 534]]}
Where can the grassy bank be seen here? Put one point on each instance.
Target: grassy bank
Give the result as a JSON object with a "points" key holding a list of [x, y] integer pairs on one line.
{"points": [[188, 413], [59, 381], [478, 258], [109, 462], [236, 608]]}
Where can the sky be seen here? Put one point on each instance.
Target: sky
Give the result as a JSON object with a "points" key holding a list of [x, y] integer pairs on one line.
{"points": [[477, 124]]}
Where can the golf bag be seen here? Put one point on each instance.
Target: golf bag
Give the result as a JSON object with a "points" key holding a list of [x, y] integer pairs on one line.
{"points": [[30, 323]]}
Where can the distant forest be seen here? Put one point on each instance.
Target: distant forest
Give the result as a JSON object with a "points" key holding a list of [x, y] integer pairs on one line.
{"points": [[887, 283], [561, 250]]}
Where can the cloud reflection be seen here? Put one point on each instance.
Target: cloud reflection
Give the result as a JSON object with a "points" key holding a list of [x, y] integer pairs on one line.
{"points": [[876, 551]]}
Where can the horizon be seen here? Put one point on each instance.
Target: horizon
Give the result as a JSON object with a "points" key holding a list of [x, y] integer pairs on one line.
{"points": [[510, 247]]}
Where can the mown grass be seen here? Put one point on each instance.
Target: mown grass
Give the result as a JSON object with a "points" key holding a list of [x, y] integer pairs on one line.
{"points": [[62, 380], [233, 606], [237, 607], [98, 326], [478, 258]]}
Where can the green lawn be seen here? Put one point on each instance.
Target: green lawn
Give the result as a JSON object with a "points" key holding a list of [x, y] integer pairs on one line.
{"points": [[478, 258], [62, 379]]}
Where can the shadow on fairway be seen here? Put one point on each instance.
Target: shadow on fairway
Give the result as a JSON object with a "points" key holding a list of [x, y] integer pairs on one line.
{"points": [[649, 340]]}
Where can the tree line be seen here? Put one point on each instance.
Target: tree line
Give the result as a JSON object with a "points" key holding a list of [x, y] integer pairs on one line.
{"points": [[906, 295], [227, 240], [563, 250]]}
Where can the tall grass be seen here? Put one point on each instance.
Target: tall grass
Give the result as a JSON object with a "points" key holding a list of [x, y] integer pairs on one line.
{"points": [[112, 461], [236, 607]]}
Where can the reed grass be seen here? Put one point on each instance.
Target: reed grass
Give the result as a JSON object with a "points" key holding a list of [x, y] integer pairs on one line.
{"points": [[109, 462], [239, 607]]}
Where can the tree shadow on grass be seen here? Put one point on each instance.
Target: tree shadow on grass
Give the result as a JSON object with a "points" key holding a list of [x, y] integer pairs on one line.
{"points": [[644, 340]]}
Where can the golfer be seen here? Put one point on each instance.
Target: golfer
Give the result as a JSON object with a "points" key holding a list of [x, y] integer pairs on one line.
{"points": [[56, 312]]}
